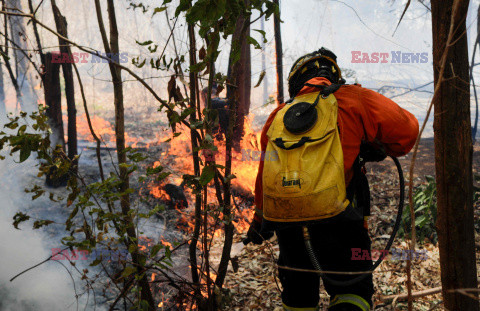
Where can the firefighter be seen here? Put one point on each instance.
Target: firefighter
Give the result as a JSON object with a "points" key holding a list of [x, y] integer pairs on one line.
{"points": [[360, 116]]}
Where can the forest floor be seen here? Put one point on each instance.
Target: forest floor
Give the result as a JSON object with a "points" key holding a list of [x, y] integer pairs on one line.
{"points": [[255, 286]]}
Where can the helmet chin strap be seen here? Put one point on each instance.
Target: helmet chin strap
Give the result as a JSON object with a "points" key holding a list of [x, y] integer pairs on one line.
{"points": [[325, 73]]}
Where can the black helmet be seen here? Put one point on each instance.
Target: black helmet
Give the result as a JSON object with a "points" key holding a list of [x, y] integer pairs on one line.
{"points": [[321, 63]]}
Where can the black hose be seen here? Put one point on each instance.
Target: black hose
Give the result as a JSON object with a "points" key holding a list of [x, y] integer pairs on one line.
{"points": [[314, 260]]}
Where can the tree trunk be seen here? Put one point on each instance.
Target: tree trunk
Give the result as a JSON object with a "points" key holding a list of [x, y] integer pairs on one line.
{"points": [[472, 65], [53, 100], [112, 48], [3, 109], [243, 78], [453, 155], [17, 29], [278, 54], [233, 101], [264, 66], [61, 25], [6, 61], [196, 160]]}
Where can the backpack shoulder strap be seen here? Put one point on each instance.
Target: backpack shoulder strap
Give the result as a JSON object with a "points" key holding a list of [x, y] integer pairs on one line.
{"points": [[326, 90]]}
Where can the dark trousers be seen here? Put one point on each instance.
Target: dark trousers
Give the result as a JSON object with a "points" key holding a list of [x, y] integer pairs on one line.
{"points": [[332, 241]]}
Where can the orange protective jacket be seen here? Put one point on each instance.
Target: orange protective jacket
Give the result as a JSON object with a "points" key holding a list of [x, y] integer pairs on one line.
{"points": [[363, 115]]}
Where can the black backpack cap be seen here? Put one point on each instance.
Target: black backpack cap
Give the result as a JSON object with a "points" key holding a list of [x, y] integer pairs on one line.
{"points": [[300, 118]]}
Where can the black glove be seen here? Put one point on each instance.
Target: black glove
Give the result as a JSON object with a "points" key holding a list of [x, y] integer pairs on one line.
{"points": [[371, 152], [256, 235]]}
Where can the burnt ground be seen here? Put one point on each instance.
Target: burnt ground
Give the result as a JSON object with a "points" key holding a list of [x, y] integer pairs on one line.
{"points": [[255, 286]]}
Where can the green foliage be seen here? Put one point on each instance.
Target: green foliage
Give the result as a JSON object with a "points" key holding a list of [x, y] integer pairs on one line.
{"points": [[92, 206], [425, 202], [425, 205], [94, 217]]}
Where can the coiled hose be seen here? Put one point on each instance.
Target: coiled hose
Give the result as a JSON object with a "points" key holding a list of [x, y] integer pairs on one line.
{"points": [[314, 260]]}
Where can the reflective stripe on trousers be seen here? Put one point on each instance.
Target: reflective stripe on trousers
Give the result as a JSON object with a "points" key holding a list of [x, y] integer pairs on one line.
{"points": [[287, 308], [352, 299]]}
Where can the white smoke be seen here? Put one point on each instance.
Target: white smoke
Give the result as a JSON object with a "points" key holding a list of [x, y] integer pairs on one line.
{"points": [[47, 287]]}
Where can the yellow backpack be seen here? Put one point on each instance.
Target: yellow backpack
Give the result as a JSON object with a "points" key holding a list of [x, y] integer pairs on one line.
{"points": [[305, 180]]}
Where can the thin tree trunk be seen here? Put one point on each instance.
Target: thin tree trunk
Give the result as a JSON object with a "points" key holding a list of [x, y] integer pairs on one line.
{"points": [[264, 66], [243, 78], [472, 65], [227, 210], [3, 109], [453, 154], [53, 100], [61, 25], [278, 54], [17, 29], [8, 65], [113, 47], [196, 161]]}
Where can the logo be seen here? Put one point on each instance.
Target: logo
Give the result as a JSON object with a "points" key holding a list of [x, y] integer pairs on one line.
{"points": [[394, 57], [397, 254], [291, 183], [247, 155], [78, 254], [82, 57]]}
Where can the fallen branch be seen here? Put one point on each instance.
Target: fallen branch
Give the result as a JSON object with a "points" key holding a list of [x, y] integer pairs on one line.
{"points": [[422, 293]]}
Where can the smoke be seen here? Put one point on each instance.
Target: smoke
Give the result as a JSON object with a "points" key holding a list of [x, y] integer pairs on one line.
{"points": [[47, 287]]}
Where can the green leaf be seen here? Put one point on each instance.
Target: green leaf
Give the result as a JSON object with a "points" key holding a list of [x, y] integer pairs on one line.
{"points": [[18, 218], [22, 129], [254, 42], [25, 153], [198, 67], [73, 213], [144, 43], [40, 223], [207, 175], [420, 221], [128, 270], [158, 10], [260, 78], [139, 65], [155, 249], [182, 6], [262, 33]]}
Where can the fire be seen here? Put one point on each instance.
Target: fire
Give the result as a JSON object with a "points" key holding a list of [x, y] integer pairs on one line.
{"points": [[158, 192], [177, 157], [102, 128], [165, 243]]}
